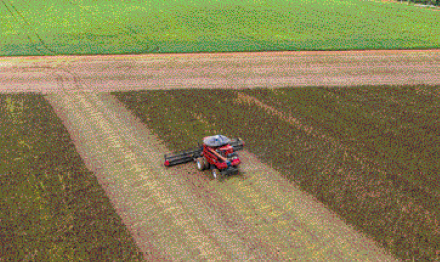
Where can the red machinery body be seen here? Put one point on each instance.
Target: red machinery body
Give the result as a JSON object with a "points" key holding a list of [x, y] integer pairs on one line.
{"points": [[217, 153], [221, 156]]}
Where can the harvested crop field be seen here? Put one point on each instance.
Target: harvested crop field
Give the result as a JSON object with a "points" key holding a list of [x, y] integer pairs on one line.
{"points": [[368, 153], [346, 175], [180, 214]]}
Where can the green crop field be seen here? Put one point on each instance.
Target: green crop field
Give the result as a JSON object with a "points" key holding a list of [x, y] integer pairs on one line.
{"points": [[97, 27], [52, 207], [368, 153]]}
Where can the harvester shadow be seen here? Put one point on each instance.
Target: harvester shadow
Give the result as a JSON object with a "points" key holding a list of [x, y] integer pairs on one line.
{"points": [[207, 175]]}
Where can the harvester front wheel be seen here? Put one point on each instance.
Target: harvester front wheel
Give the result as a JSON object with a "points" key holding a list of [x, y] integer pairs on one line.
{"points": [[200, 163], [216, 174], [205, 163]]}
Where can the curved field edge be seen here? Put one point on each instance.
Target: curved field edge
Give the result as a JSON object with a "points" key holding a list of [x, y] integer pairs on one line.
{"points": [[52, 206], [368, 194], [115, 27]]}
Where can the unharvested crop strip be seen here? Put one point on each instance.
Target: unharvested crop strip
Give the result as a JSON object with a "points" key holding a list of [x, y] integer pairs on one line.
{"points": [[399, 164], [241, 97]]}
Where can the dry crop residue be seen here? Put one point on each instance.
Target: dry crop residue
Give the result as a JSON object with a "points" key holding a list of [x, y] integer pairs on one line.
{"points": [[179, 214], [160, 208]]}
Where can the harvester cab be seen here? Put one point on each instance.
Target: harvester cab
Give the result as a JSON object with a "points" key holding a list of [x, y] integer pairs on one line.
{"points": [[218, 153]]}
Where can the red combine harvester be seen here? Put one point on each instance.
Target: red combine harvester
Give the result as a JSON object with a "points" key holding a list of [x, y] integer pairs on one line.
{"points": [[217, 153]]}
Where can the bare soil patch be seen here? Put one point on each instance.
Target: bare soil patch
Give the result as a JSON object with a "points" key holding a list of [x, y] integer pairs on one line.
{"points": [[221, 70]]}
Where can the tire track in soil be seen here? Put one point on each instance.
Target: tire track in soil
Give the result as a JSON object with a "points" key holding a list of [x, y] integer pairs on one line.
{"points": [[226, 70], [160, 209], [29, 27], [132, 33]]}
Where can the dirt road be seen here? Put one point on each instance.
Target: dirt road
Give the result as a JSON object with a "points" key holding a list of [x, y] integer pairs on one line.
{"points": [[180, 214], [227, 70]]}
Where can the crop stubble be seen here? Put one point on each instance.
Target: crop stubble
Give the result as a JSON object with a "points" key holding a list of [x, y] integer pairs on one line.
{"points": [[132, 66], [156, 206], [333, 166], [172, 212]]}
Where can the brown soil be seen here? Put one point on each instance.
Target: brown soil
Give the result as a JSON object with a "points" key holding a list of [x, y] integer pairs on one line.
{"points": [[221, 70]]}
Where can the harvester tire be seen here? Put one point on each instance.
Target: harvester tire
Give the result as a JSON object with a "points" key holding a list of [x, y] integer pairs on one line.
{"points": [[200, 163], [205, 163], [216, 174]]}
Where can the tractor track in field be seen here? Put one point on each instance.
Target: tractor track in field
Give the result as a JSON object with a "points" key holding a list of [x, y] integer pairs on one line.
{"points": [[28, 26]]}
